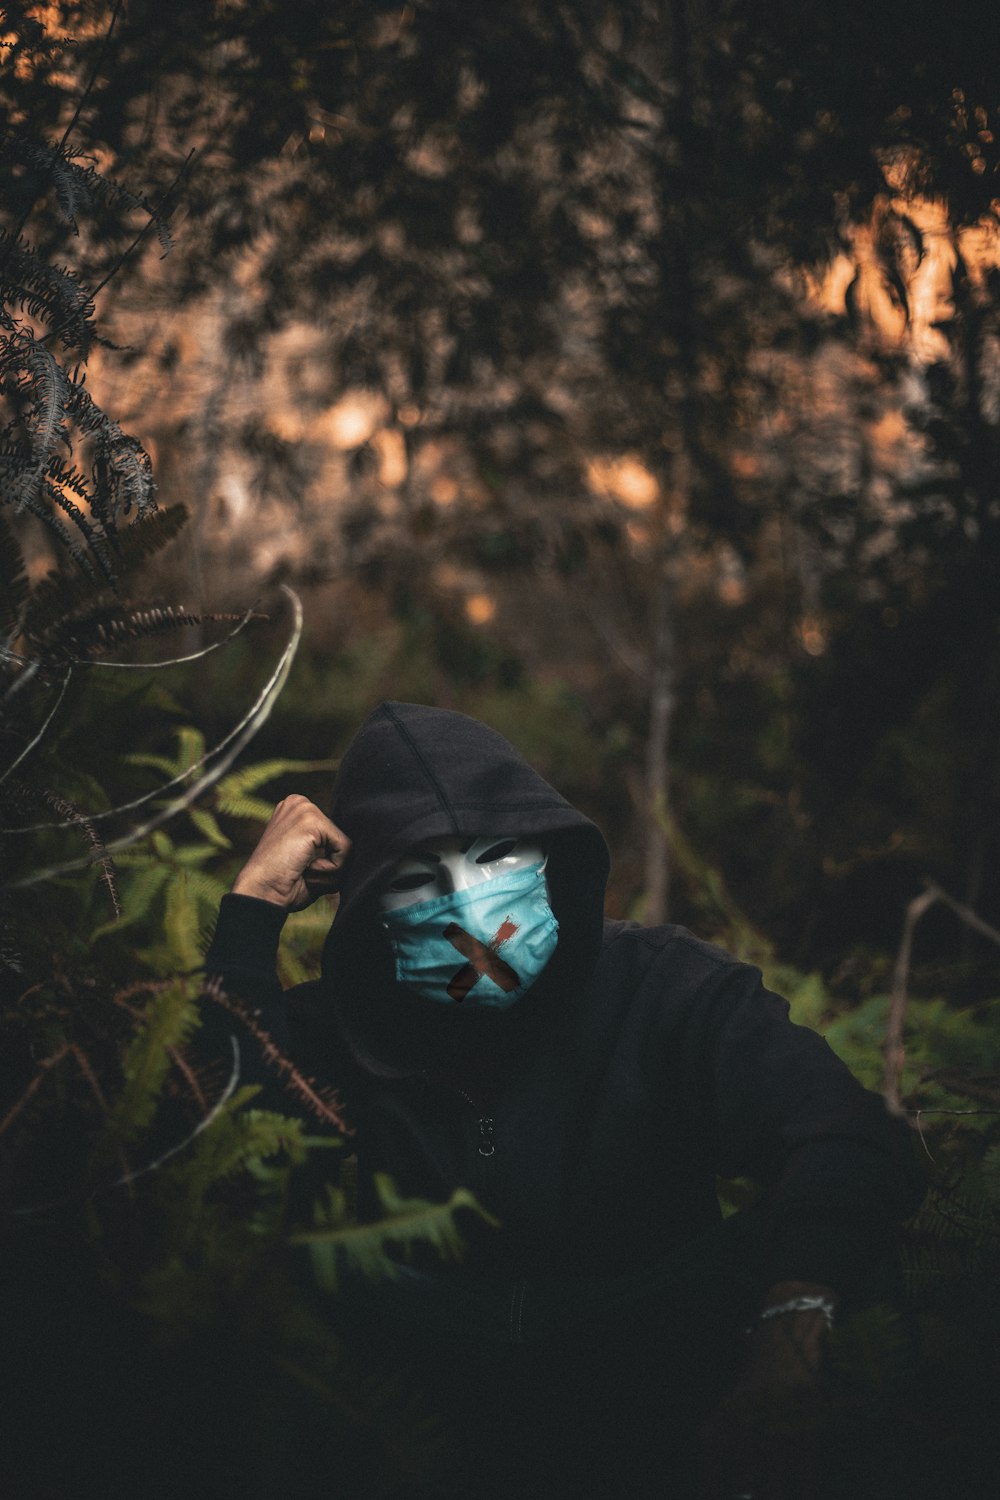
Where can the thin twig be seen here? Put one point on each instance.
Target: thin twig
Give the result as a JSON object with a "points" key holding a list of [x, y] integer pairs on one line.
{"points": [[171, 661], [968, 916], [240, 737], [154, 217], [182, 1065], [33, 1087], [895, 1051], [41, 733], [918, 1113], [203, 1124], [185, 775], [328, 1109], [94, 74], [130, 1177]]}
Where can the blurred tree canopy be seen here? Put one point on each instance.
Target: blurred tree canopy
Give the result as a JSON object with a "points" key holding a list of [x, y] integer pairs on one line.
{"points": [[624, 373], [565, 251]]}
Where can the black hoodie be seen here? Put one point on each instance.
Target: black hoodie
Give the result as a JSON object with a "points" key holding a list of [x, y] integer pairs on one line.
{"points": [[642, 1063]]}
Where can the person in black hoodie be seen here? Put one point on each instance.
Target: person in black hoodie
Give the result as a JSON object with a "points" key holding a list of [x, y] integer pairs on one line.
{"points": [[587, 1080]]}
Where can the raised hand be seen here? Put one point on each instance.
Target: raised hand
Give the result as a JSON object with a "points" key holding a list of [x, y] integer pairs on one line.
{"points": [[299, 858]]}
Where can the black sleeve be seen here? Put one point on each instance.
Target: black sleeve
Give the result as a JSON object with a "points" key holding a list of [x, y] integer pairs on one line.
{"points": [[839, 1171], [243, 957]]}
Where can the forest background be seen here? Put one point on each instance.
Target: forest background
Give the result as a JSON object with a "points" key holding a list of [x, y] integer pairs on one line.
{"points": [[625, 374]]}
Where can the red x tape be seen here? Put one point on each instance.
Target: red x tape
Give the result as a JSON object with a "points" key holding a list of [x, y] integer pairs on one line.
{"points": [[483, 958]]}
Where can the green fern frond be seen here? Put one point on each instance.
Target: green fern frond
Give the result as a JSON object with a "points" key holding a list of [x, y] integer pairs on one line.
{"points": [[140, 891], [252, 809], [187, 904], [232, 793], [207, 890], [302, 942], [238, 1140], [409, 1222], [190, 754], [170, 1018], [206, 824], [151, 761]]}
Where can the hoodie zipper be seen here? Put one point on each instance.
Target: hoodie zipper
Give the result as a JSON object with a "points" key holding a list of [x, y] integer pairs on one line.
{"points": [[487, 1146]]}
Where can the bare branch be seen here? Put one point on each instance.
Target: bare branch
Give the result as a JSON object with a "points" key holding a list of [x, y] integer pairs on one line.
{"points": [[895, 1052], [236, 741], [185, 775], [968, 916], [42, 732], [43, 1067], [203, 1124], [323, 1103]]}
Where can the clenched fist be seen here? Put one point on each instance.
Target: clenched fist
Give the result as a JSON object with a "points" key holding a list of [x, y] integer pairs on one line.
{"points": [[300, 857]]}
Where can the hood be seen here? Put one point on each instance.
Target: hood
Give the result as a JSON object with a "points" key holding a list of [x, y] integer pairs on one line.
{"points": [[414, 774]]}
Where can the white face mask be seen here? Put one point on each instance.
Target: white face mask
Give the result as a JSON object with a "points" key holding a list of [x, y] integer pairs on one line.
{"points": [[484, 901], [455, 865]]}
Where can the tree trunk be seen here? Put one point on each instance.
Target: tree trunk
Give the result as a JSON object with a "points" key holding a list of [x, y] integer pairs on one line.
{"points": [[661, 708]]}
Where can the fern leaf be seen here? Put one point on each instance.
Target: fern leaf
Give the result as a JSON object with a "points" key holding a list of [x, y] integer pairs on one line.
{"points": [[141, 891], [51, 294], [237, 1140], [169, 1020], [408, 1222], [231, 794], [80, 187], [226, 751], [90, 534], [153, 762], [181, 922], [103, 627], [206, 823], [77, 819], [147, 535], [41, 390]]}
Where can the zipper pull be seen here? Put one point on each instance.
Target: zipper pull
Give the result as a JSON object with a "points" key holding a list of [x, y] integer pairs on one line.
{"points": [[486, 1146]]}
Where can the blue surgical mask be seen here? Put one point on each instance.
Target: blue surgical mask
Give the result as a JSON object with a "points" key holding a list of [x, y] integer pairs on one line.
{"points": [[485, 945]]}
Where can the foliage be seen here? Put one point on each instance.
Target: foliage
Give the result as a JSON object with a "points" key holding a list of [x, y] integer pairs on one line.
{"points": [[48, 331], [557, 234], [408, 1222], [139, 1169], [149, 1210], [174, 888], [552, 240]]}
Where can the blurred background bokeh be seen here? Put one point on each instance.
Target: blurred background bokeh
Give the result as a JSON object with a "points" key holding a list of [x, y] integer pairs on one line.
{"points": [[624, 372]]}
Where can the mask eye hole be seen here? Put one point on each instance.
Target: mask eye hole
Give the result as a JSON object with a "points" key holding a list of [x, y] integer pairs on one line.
{"points": [[496, 851], [412, 881]]}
